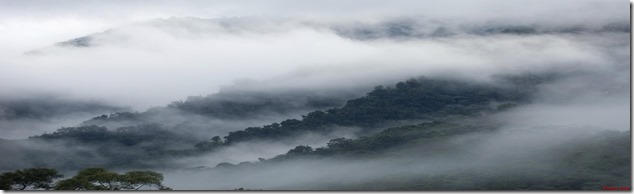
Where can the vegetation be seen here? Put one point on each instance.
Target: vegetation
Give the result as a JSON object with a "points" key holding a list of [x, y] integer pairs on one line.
{"points": [[29, 179], [232, 105], [128, 136], [47, 108], [444, 109], [593, 162], [237, 105], [388, 139], [86, 179], [101, 179], [413, 99]]}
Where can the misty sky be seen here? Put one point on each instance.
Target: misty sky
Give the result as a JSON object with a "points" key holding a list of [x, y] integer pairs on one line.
{"points": [[150, 53], [171, 68]]}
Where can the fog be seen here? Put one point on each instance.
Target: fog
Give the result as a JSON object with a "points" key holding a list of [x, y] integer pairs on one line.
{"points": [[515, 155], [34, 114], [174, 57], [178, 68], [526, 145], [191, 71]]}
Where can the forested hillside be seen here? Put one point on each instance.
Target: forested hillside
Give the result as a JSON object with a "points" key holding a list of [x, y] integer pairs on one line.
{"points": [[417, 119], [143, 143], [448, 157]]}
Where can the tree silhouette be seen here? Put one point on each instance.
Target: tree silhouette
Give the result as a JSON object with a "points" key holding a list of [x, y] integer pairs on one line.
{"points": [[30, 178]]}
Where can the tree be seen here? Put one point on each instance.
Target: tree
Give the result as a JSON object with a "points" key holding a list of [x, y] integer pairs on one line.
{"points": [[6, 180], [216, 140], [30, 178], [71, 184], [137, 179], [302, 149], [102, 179], [339, 143], [93, 179], [106, 180]]}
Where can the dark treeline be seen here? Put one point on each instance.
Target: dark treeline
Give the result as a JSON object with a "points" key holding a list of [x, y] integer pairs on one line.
{"points": [[590, 162], [237, 105], [415, 99], [443, 109], [387, 139], [401, 29], [241, 104], [49, 107], [86, 179], [396, 29]]}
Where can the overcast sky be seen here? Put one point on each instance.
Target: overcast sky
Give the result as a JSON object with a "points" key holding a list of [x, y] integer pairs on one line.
{"points": [[149, 67], [38, 22]]}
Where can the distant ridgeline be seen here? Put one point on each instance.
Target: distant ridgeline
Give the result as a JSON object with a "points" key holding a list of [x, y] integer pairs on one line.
{"points": [[414, 99], [234, 105], [398, 29]]}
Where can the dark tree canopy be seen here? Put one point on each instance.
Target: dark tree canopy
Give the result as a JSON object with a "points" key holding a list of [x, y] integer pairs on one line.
{"points": [[102, 179], [138, 179], [29, 179], [413, 99]]}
